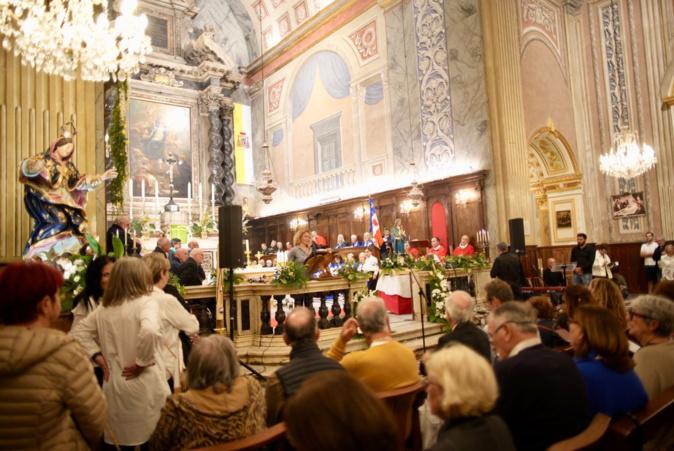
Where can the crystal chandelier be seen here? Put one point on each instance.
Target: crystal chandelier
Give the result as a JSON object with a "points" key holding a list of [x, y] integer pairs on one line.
{"points": [[627, 159], [74, 38]]}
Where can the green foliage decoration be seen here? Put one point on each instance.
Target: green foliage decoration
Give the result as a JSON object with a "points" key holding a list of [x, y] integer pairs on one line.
{"points": [[117, 139], [291, 275]]}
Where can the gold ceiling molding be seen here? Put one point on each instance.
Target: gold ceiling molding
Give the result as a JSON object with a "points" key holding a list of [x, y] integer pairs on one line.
{"points": [[566, 147]]}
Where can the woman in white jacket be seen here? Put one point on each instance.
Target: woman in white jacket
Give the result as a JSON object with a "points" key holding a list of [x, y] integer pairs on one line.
{"points": [[122, 335], [602, 263], [174, 318]]}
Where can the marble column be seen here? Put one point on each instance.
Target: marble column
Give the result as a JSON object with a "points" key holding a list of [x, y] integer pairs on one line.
{"points": [[656, 23], [211, 101], [506, 111], [229, 178]]}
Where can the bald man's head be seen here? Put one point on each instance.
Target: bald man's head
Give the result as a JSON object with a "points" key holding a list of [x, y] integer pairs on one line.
{"points": [[300, 327], [181, 254], [198, 255], [164, 244]]}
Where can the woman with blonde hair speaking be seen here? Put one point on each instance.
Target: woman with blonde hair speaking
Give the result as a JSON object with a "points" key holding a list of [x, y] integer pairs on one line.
{"points": [[123, 336], [462, 390], [174, 318]]}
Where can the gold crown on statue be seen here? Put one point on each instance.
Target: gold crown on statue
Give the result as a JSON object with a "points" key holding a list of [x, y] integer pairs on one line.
{"points": [[68, 130]]}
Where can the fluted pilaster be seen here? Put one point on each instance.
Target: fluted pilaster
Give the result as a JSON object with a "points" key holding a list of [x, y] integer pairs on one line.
{"points": [[506, 110], [655, 22]]}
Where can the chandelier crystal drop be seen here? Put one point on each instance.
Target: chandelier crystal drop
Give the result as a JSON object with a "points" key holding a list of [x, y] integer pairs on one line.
{"points": [[627, 158], [75, 38]]}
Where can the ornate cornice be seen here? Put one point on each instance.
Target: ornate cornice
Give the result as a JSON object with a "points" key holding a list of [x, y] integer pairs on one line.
{"points": [[573, 7], [212, 99], [161, 76]]}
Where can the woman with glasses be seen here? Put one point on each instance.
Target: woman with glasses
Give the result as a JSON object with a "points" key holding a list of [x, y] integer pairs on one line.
{"points": [[602, 356], [651, 323]]}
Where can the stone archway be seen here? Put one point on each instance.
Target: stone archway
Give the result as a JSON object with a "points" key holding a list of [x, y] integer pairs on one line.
{"points": [[553, 169]]}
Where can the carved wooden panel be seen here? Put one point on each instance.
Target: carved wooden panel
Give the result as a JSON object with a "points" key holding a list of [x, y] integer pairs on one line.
{"points": [[330, 220]]}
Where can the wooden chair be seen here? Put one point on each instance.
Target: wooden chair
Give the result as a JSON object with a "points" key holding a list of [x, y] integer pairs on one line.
{"points": [[273, 438], [404, 404], [587, 439], [630, 432]]}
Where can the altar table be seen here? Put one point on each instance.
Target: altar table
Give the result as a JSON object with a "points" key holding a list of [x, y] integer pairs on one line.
{"points": [[396, 292]]}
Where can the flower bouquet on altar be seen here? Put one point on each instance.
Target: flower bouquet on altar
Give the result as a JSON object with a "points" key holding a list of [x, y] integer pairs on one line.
{"points": [[351, 274], [74, 269], [290, 275], [466, 262], [203, 227], [389, 265]]}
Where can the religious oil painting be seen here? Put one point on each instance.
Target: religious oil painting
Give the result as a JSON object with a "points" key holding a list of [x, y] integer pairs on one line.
{"points": [[628, 205], [159, 134], [563, 219]]}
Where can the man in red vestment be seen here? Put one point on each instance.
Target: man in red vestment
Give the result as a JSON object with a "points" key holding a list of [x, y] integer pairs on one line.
{"points": [[464, 248]]}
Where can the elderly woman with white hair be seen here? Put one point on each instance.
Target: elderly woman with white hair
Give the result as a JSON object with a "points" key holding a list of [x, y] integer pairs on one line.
{"points": [[220, 405], [459, 309], [462, 390], [651, 323]]}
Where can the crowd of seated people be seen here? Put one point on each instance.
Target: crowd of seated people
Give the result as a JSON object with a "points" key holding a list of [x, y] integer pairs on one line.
{"points": [[507, 387]]}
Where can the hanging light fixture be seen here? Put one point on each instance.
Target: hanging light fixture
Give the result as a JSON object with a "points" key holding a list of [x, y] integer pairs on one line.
{"points": [[75, 39], [627, 158], [416, 194], [266, 187]]}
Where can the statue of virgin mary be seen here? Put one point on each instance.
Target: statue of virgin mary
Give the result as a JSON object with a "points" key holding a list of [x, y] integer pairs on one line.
{"points": [[55, 198]]}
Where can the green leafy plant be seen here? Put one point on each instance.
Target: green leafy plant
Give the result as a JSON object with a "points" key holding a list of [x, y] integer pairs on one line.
{"points": [[349, 273], [468, 263], [389, 265], [175, 281], [238, 278], [117, 139], [205, 224], [74, 268], [291, 275]]}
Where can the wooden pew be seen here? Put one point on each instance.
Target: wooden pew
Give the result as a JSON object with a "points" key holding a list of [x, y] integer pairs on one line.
{"points": [[631, 432], [273, 438], [587, 439], [404, 404]]}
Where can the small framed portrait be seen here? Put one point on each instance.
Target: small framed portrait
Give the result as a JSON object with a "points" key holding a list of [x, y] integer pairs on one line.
{"points": [[628, 205], [563, 219]]}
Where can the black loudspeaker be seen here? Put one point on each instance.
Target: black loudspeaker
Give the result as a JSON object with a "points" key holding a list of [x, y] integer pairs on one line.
{"points": [[230, 246], [516, 227]]}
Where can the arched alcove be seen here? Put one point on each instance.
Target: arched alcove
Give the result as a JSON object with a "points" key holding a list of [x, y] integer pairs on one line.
{"points": [[555, 179]]}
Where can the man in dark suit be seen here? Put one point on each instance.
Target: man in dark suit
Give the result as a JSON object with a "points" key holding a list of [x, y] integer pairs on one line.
{"points": [[191, 273], [306, 359], [163, 246], [553, 278], [543, 397], [507, 267], [459, 308]]}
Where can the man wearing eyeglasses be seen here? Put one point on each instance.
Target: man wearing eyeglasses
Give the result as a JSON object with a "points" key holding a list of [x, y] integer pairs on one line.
{"points": [[542, 394]]}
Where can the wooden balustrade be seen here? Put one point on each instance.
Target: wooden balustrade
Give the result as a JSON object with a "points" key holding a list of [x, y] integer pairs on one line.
{"points": [[257, 303]]}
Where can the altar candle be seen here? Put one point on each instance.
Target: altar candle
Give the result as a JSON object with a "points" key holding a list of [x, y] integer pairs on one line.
{"points": [[130, 199], [156, 195], [201, 201], [189, 203], [213, 200], [247, 247], [142, 196]]}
